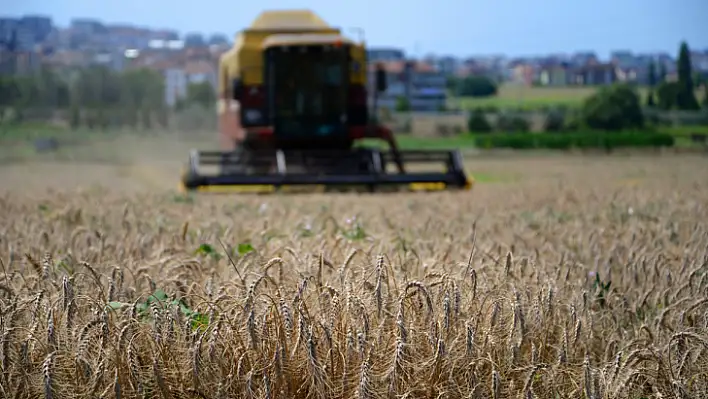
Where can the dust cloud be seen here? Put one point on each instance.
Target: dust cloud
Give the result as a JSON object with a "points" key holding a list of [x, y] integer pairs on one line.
{"points": [[125, 163]]}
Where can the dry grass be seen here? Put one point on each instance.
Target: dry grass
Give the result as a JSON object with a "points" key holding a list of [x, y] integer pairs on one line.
{"points": [[438, 125], [486, 294]]}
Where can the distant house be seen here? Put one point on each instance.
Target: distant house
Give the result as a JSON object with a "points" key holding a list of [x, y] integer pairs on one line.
{"points": [[671, 76], [200, 71], [468, 70], [699, 62], [594, 74], [21, 63], [524, 74], [628, 74], [623, 58], [68, 59], [554, 75], [178, 77], [385, 54], [7, 62], [423, 85], [447, 65], [114, 60], [583, 58], [175, 85]]}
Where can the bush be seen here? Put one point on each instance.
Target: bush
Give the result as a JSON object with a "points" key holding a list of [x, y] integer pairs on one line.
{"points": [[573, 121], [491, 109], [654, 118], [475, 86], [555, 121], [385, 114], [402, 104], [448, 130], [194, 118], [667, 94], [614, 108], [478, 122], [512, 123], [403, 125], [585, 140], [443, 130]]}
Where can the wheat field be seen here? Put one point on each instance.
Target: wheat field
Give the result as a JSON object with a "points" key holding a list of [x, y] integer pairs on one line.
{"points": [[555, 277]]}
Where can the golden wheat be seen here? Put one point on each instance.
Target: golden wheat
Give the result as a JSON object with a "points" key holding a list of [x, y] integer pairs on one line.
{"points": [[554, 290]]}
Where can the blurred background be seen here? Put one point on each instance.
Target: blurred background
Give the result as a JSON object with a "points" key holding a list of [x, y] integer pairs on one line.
{"points": [[458, 72]]}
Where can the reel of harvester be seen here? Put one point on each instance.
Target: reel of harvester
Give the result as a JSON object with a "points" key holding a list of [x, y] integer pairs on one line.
{"points": [[360, 170]]}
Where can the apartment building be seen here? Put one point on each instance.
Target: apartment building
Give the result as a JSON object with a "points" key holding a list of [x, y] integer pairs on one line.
{"points": [[175, 85], [422, 85], [8, 29], [555, 75], [19, 62], [178, 77], [596, 74], [385, 54], [564, 74], [447, 64], [522, 73], [194, 39], [25, 33], [699, 61]]}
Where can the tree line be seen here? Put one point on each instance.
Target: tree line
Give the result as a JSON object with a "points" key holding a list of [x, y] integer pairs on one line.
{"points": [[95, 97], [612, 108], [611, 118], [680, 93]]}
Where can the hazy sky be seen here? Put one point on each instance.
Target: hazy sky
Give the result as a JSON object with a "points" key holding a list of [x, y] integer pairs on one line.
{"points": [[459, 27]]}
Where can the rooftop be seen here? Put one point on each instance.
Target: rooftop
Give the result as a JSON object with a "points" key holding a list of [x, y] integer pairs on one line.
{"points": [[289, 20], [399, 66]]}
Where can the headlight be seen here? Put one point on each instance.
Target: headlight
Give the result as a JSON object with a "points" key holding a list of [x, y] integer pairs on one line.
{"points": [[253, 115]]}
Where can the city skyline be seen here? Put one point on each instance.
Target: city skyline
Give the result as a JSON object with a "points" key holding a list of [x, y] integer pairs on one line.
{"points": [[639, 26]]}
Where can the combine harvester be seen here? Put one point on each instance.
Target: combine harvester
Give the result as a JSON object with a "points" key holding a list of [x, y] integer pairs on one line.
{"points": [[294, 113]]}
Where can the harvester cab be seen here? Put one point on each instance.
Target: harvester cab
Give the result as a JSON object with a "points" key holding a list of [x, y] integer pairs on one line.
{"points": [[303, 91]]}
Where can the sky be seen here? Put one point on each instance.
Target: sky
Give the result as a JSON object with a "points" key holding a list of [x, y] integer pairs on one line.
{"points": [[460, 27]]}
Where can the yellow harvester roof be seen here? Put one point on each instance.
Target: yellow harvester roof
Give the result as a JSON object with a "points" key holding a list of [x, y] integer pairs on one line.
{"points": [[285, 40], [289, 20], [282, 24]]}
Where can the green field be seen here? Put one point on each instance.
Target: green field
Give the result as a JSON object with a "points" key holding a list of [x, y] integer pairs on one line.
{"points": [[527, 97], [430, 143], [531, 98]]}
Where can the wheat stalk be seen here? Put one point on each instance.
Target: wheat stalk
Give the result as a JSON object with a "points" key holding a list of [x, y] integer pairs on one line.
{"points": [[494, 295]]}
